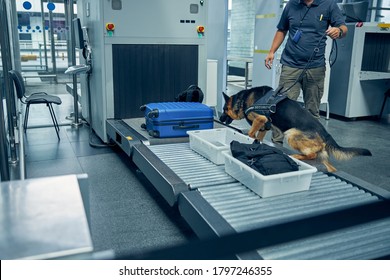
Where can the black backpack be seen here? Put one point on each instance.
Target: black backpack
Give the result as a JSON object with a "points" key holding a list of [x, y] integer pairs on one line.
{"points": [[263, 158], [192, 94]]}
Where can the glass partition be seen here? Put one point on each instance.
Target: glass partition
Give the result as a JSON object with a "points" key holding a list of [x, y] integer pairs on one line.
{"points": [[43, 33]]}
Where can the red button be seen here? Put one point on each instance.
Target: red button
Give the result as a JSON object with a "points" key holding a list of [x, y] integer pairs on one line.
{"points": [[110, 26]]}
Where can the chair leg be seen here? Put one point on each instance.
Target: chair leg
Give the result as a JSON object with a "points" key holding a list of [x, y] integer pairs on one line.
{"points": [[26, 117], [387, 95], [54, 119]]}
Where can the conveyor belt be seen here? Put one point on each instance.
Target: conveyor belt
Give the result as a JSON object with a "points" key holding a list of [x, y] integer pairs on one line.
{"points": [[245, 210], [196, 171]]}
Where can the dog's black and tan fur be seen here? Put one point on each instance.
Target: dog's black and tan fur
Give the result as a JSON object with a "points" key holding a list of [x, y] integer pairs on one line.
{"points": [[303, 132]]}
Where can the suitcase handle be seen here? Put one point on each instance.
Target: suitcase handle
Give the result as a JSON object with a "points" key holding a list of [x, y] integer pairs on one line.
{"points": [[182, 126]]}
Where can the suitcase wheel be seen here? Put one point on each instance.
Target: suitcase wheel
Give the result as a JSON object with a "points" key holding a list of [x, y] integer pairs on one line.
{"points": [[142, 108], [153, 114], [154, 133], [143, 126]]}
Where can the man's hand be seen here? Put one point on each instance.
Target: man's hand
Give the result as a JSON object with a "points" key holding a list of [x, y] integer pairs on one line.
{"points": [[333, 32], [269, 60]]}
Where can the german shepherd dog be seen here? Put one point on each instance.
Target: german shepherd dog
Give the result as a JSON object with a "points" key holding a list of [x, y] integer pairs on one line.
{"points": [[303, 132]]}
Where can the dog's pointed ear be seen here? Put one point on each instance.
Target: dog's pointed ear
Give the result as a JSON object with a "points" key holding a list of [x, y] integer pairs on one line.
{"points": [[225, 97]]}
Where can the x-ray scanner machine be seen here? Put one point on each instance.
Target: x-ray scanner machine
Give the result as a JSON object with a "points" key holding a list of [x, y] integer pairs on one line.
{"points": [[163, 41], [361, 76]]}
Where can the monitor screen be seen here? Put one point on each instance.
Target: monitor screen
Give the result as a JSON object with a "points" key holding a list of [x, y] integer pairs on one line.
{"points": [[78, 34], [354, 12]]}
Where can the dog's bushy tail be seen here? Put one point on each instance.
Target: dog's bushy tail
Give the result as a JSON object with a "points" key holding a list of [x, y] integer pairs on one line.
{"points": [[344, 153]]}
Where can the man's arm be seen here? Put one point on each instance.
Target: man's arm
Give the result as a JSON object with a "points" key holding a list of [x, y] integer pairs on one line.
{"points": [[339, 29], [337, 32], [278, 40], [344, 30]]}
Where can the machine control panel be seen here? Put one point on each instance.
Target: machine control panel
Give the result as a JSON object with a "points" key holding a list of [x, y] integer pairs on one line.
{"points": [[154, 19], [200, 29], [110, 27]]}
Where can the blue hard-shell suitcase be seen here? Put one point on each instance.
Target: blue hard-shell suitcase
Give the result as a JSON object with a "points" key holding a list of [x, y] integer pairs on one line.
{"points": [[174, 119]]}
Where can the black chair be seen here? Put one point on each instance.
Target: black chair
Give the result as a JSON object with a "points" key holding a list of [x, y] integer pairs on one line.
{"points": [[35, 98]]}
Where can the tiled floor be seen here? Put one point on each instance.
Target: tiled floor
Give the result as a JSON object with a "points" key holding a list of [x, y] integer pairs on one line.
{"points": [[127, 213]]}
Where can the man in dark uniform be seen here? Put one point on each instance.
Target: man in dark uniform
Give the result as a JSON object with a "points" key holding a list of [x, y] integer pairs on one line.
{"points": [[307, 22]]}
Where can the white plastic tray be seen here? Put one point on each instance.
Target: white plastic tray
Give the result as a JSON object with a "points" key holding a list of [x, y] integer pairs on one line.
{"points": [[210, 143], [269, 185]]}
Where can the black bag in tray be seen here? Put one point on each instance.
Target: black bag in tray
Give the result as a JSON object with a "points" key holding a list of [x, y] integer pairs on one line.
{"points": [[263, 158]]}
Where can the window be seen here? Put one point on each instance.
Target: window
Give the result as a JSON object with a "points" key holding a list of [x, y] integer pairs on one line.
{"points": [[24, 36], [23, 19]]}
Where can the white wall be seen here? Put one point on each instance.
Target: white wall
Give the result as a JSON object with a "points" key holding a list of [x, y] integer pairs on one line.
{"points": [[217, 41]]}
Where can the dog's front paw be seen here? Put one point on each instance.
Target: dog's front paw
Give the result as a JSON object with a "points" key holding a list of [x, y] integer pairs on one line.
{"points": [[260, 135], [252, 134]]}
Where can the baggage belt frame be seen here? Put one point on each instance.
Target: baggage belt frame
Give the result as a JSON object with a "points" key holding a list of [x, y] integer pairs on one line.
{"points": [[191, 202]]}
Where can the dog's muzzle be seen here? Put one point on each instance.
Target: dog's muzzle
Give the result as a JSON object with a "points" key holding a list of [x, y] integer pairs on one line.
{"points": [[225, 118]]}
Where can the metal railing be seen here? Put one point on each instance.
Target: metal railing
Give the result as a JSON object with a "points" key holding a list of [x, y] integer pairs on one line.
{"points": [[33, 51]]}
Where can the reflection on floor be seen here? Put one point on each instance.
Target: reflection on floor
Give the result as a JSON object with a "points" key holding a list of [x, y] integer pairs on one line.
{"points": [[128, 215]]}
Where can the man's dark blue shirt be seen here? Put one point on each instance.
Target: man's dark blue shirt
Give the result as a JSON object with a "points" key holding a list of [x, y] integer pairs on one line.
{"points": [[311, 22]]}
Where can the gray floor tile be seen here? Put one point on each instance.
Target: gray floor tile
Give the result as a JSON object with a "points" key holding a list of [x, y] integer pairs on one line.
{"points": [[82, 149], [77, 134], [56, 167], [44, 135], [44, 152]]}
